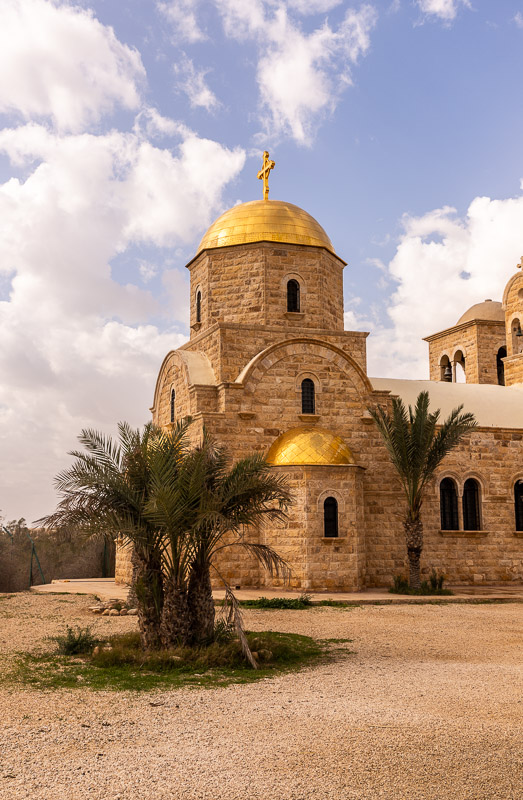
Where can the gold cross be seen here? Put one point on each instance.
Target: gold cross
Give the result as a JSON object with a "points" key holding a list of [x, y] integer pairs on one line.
{"points": [[520, 265], [263, 174]]}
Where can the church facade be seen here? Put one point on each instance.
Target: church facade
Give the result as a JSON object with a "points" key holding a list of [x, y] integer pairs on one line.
{"points": [[269, 368]]}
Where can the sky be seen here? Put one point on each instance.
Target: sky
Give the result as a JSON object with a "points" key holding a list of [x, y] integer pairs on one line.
{"points": [[128, 126]]}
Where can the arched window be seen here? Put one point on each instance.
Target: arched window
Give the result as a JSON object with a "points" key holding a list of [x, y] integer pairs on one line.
{"points": [[518, 504], [293, 295], [445, 370], [471, 515], [459, 367], [198, 306], [517, 335], [173, 404], [330, 517], [502, 353], [448, 505], [308, 404]]}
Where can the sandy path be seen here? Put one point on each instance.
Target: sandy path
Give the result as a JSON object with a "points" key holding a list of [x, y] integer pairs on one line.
{"points": [[429, 707]]}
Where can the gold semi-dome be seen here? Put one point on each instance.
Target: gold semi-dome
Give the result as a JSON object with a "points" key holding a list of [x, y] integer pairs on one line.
{"points": [[491, 310], [265, 221], [309, 446]]}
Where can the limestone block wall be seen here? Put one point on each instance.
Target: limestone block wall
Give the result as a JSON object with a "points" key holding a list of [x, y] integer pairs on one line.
{"points": [[248, 284], [492, 555], [230, 346], [513, 307], [513, 369], [123, 568]]}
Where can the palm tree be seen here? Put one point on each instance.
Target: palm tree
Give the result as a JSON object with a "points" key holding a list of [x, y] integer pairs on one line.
{"points": [[417, 446], [217, 500], [107, 490]]}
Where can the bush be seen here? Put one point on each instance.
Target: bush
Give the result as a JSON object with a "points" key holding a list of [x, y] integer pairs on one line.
{"points": [[434, 585], [75, 641], [303, 601]]}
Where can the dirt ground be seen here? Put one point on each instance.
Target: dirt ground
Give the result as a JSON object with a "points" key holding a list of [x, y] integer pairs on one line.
{"points": [[428, 707]]}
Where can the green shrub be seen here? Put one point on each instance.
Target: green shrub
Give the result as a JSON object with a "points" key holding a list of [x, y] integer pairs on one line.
{"points": [[434, 585], [75, 641], [303, 601]]}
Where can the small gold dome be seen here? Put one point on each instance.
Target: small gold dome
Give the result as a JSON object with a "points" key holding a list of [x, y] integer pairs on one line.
{"points": [[309, 446], [265, 221]]}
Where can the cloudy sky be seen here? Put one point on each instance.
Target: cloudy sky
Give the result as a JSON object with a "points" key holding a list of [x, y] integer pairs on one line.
{"points": [[127, 126]]}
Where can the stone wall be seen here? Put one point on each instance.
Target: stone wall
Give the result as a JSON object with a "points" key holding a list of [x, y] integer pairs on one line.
{"points": [[61, 555], [247, 284], [478, 340]]}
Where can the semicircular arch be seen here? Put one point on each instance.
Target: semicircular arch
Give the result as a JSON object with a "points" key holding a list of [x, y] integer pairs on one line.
{"points": [[253, 372]]}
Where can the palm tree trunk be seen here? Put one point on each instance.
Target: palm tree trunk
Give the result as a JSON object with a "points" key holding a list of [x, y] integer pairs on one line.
{"points": [[201, 604], [176, 620], [414, 538], [149, 592]]}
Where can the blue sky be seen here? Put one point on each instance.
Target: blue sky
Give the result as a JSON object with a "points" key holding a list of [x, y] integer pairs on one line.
{"points": [[127, 127]]}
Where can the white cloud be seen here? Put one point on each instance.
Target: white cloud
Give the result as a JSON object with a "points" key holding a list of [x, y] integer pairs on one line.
{"points": [[58, 62], [192, 81], [182, 14], [147, 271], [443, 265], [300, 75], [313, 6], [445, 10], [518, 19], [77, 348]]}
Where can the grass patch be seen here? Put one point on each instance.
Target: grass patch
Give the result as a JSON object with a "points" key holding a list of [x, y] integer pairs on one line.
{"points": [[434, 586], [125, 667], [336, 604], [288, 603], [293, 603]]}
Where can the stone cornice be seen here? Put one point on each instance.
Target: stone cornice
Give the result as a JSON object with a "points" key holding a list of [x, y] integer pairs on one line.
{"points": [[462, 327]]}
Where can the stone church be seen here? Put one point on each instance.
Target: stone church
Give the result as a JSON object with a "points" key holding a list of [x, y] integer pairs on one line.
{"points": [[269, 368]]}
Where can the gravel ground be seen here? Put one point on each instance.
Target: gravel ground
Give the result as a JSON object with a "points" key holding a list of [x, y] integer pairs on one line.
{"points": [[429, 707]]}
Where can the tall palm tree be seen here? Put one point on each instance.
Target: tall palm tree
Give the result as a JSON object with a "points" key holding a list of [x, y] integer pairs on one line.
{"points": [[107, 490], [417, 446]]}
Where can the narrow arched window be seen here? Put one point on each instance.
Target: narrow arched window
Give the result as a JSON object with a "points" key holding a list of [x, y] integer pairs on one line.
{"points": [[502, 353], [518, 504], [448, 505], [471, 512], [293, 295], [330, 517], [308, 404], [173, 404], [198, 306], [445, 370]]}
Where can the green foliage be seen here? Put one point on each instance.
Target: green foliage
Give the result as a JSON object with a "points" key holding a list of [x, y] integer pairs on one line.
{"points": [[75, 641], [126, 667], [434, 585], [417, 442], [296, 603]]}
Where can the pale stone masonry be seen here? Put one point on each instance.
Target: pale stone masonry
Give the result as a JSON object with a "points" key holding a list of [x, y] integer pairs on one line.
{"points": [[241, 376]]}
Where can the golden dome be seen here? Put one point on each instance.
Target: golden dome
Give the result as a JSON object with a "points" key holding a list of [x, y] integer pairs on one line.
{"points": [[309, 446], [265, 221], [489, 310]]}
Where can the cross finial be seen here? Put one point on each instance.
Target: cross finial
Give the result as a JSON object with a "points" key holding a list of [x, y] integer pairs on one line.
{"points": [[263, 174], [520, 265]]}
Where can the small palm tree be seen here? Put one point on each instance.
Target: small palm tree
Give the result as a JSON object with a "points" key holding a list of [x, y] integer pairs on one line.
{"points": [[417, 446], [107, 490], [218, 500]]}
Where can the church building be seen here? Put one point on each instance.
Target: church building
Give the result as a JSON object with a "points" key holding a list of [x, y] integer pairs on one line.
{"points": [[269, 368]]}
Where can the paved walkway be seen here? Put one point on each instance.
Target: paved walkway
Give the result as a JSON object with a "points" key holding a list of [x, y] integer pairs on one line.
{"points": [[107, 589]]}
